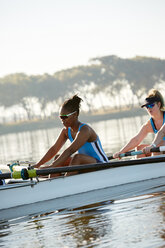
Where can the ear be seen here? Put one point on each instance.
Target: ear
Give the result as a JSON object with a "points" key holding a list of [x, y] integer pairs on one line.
{"points": [[159, 104], [75, 115]]}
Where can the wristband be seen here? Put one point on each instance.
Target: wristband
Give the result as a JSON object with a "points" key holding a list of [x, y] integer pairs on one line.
{"points": [[154, 145]]}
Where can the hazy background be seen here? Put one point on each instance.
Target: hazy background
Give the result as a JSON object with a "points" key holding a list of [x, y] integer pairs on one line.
{"points": [[110, 52], [44, 36]]}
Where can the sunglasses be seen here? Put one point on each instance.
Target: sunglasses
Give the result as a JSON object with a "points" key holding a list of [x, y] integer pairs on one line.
{"points": [[150, 105], [63, 117]]}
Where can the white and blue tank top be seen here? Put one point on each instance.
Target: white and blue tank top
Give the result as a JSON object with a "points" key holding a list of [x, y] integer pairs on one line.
{"points": [[93, 149], [153, 124]]}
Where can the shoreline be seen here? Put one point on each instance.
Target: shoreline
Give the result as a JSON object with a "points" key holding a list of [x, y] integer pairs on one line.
{"points": [[50, 123]]}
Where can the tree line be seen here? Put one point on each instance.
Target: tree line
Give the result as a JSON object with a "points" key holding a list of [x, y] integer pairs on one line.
{"points": [[107, 83]]}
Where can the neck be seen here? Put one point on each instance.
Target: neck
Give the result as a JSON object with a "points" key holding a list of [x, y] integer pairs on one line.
{"points": [[75, 125], [158, 115]]}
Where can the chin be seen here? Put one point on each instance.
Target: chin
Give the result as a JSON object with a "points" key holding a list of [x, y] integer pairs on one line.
{"points": [[65, 125]]}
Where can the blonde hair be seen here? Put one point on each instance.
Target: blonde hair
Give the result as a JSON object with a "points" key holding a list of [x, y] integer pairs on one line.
{"points": [[157, 94]]}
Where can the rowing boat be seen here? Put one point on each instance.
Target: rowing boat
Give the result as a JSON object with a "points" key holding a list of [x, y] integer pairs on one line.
{"points": [[117, 177]]}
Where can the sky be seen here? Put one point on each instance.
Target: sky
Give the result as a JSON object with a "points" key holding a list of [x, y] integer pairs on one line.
{"points": [[45, 36]]}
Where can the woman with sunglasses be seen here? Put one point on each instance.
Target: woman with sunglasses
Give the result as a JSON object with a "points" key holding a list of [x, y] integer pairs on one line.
{"points": [[154, 105], [84, 140]]}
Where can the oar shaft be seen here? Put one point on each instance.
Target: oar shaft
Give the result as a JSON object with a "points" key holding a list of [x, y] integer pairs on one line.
{"points": [[158, 149], [133, 153], [25, 174], [126, 154], [5, 175]]}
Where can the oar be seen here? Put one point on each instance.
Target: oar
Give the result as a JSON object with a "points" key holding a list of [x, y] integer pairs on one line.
{"points": [[133, 153], [126, 154], [26, 174], [19, 163]]}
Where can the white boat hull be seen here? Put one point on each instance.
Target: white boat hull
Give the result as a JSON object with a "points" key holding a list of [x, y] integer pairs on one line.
{"points": [[16, 195]]}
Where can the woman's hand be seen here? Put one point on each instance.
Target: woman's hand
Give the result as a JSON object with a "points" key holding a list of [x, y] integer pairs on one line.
{"points": [[117, 155], [147, 149], [36, 166]]}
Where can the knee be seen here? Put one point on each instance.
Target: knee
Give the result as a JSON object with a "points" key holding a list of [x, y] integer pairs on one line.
{"points": [[66, 163], [75, 160]]}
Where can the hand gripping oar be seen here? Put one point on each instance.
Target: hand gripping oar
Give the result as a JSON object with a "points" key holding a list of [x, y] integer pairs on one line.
{"points": [[133, 153], [123, 154], [26, 174]]}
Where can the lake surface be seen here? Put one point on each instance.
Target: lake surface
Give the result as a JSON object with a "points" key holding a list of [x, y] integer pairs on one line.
{"points": [[137, 221]]}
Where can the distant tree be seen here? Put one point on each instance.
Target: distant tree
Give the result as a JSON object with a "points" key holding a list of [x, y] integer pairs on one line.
{"points": [[108, 77]]}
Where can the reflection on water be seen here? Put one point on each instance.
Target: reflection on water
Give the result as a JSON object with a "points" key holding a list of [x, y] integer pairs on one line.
{"points": [[33, 144], [26, 145], [137, 222]]}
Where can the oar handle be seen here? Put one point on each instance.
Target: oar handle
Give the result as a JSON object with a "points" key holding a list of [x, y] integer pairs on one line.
{"points": [[123, 154], [158, 149], [126, 154], [133, 153]]}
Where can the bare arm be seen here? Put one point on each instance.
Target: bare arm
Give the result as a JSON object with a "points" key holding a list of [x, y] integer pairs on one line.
{"points": [[54, 149], [135, 141], [157, 140], [81, 138], [159, 136]]}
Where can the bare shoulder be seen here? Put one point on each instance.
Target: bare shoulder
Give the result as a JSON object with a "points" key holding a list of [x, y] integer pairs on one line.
{"points": [[64, 131], [89, 132], [86, 128], [147, 126]]}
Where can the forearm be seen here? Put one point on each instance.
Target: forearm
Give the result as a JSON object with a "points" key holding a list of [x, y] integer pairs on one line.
{"points": [[48, 156], [62, 158], [157, 140], [159, 137], [130, 145]]}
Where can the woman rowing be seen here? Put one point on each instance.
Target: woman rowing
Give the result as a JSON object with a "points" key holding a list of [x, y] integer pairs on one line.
{"points": [[157, 141], [84, 140], [154, 105]]}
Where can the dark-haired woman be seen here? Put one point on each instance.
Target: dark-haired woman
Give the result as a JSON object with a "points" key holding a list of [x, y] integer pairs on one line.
{"points": [[154, 105], [84, 140]]}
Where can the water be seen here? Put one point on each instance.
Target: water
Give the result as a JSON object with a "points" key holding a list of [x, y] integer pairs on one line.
{"points": [[136, 221], [33, 144]]}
